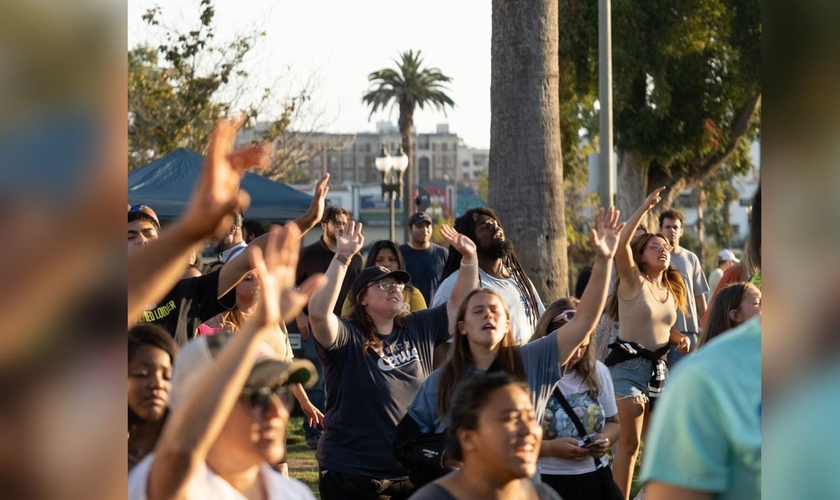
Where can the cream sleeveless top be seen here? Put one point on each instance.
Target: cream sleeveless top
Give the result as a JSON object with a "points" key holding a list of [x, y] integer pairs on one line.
{"points": [[646, 320]]}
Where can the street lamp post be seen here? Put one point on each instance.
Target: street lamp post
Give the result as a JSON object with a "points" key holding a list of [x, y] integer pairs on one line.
{"points": [[392, 169]]}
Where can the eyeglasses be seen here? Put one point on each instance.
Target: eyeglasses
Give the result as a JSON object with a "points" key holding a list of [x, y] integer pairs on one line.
{"points": [[561, 319], [659, 246], [386, 285], [258, 401]]}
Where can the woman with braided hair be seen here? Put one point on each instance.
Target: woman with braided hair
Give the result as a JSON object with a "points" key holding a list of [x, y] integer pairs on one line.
{"points": [[498, 270]]}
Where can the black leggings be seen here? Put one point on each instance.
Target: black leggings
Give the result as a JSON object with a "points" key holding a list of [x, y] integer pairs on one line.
{"points": [[338, 486], [595, 485]]}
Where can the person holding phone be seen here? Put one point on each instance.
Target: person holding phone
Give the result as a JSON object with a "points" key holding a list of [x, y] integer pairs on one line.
{"points": [[573, 460]]}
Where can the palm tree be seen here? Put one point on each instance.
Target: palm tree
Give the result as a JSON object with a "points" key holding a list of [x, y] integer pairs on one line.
{"points": [[409, 86], [526, 169]]}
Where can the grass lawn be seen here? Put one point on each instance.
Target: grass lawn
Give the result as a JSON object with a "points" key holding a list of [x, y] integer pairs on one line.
{"points": [[302, 464]]}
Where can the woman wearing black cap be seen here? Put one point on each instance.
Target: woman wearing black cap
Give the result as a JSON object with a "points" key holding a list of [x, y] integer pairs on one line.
{"points": [[374, 362]]}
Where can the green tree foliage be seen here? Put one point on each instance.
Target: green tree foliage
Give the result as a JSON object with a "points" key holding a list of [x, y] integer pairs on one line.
{"points": [[409, 86], [178, 89], [687, 89]]}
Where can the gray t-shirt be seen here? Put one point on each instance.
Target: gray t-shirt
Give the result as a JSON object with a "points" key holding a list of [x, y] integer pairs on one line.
{"points": [[539, 359], [368, 394], [519, 307], [687, 263]]}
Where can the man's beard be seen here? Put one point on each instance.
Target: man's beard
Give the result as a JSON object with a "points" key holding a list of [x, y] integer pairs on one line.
{"points": [[497, 249]]}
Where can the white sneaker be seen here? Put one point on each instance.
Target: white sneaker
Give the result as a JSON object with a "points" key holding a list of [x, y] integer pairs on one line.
{"points": [[640, 495]]}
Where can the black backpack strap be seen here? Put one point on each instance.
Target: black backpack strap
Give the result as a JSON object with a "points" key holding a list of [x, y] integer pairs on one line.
{"points": [[573, 417]]}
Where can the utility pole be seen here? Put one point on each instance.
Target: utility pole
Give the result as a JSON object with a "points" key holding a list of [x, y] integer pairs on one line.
{"points": [[606, 185]]}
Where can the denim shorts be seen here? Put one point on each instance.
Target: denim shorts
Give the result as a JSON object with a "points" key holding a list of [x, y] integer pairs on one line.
{"points": [[631, 378]]}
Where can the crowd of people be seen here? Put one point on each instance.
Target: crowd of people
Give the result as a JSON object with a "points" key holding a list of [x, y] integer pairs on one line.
{"points": [[432, 372]]}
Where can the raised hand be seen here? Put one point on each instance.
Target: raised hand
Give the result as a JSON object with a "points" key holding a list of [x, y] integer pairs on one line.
{"points": [[217, 194], [464, 245], [316, 206], [653, 198], [275, 268], [349, 240], [605, 235]]}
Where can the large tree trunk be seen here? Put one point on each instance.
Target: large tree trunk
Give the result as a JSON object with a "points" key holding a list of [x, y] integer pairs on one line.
{"points": [[526, 170], [406, 124], [631, 184], [636, 179]]}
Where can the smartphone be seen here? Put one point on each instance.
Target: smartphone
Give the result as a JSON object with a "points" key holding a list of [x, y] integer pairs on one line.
{"points": [[597, 441]]}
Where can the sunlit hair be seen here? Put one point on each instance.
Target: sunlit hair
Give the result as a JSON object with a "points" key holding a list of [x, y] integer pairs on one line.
{"points": [[466, 225], [586, 366], [728, 299], [671, 278], [363, 321], [470, 399], [460, 358]]}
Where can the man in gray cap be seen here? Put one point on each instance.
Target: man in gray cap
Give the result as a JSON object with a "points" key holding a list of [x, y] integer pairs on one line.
{"points": [[424, 260]]}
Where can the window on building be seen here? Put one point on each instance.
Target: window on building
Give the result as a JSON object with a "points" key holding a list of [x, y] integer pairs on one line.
{"points": [[466, 163], [424, 170], [333, 160], [466, 176], [443, 147], [367, 148], [346, 176]]}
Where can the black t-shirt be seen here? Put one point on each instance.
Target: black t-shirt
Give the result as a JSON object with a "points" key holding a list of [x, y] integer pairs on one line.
{"points": [[315, 259], [368, 394], [436, 492], [425, 267], [185, 307]]}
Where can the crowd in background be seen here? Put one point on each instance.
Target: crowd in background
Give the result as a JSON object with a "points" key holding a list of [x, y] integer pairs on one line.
{"points": [[430, 372]]}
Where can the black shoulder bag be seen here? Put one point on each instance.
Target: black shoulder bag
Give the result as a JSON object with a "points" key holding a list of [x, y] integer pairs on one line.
{"points": [[575, 420]]}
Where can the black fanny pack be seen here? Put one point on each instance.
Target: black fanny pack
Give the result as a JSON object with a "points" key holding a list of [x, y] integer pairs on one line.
{"points": [[360, 485]]}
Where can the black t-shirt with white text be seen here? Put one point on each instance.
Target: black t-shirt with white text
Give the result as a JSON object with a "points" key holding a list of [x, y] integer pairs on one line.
{"points": [[185, 307], [368, 394]]}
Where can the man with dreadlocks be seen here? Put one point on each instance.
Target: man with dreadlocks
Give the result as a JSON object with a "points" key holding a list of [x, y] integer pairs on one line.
{"points": [[498, 270]]}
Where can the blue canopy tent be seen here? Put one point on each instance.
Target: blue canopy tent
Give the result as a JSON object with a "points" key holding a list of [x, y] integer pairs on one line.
{"points": [[167, 183]]}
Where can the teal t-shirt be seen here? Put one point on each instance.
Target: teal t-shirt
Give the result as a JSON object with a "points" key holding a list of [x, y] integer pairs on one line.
{"points": [[706, 431]]}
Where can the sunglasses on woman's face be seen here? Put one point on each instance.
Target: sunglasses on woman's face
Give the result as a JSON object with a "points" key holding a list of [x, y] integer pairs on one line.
{"points": [[258, 401], [386, 285]]}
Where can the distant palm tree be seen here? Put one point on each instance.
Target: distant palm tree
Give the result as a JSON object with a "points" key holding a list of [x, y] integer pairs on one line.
{"points": [[408, 87]]}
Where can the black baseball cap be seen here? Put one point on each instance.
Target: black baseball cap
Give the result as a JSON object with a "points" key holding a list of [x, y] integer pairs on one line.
{"points": [[419, 217], [376, 273]]}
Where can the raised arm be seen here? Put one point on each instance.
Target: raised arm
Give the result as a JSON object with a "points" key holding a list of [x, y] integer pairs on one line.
{"points": [[604, 239], [624, 255], [194, 426], [316, 207], [233, 272], [467, 280], [323, 321], [154, 269]]}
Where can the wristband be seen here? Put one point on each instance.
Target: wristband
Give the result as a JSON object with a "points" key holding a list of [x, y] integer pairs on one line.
{"points": [[474, 264], [343, 260]]}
